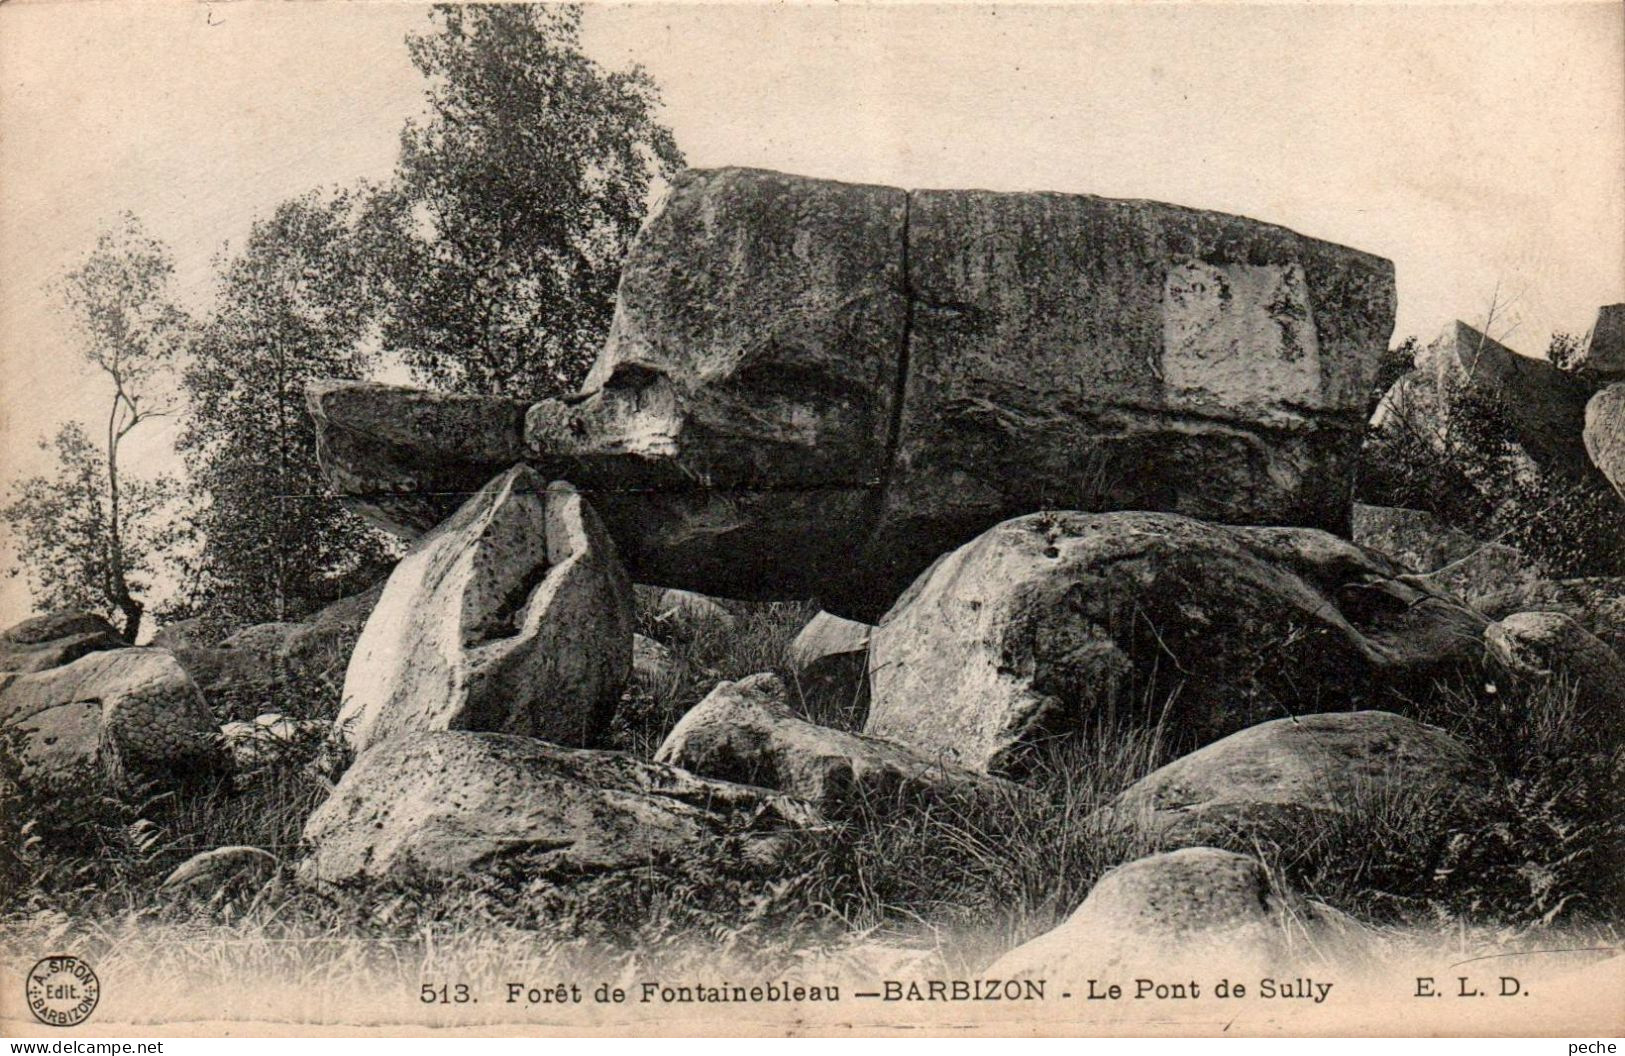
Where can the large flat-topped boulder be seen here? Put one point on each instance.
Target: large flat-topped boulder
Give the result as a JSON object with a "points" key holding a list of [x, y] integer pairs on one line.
{"points": [[1074, 352], [864, 377], [407, 458]]}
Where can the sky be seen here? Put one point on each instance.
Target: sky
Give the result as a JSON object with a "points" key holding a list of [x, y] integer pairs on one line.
{"points": [[1481, 148]]}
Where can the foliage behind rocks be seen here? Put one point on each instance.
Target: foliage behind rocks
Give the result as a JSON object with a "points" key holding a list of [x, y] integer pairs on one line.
{"points": [[1460, 460]]}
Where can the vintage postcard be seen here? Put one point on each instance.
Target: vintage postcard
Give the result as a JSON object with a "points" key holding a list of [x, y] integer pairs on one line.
{"points": [[812, 519]]}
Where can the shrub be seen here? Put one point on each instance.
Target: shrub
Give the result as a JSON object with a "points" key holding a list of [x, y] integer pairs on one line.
{"points": [[1457, 456]]}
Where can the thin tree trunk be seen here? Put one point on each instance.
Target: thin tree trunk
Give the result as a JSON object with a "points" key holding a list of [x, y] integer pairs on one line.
{"points": [[118, 586]]}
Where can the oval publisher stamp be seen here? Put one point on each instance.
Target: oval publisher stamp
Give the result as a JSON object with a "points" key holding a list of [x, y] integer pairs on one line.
{"points": [[62, 991]]}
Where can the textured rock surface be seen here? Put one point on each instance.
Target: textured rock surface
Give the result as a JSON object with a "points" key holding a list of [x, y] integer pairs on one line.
{"points": [[291, 667], [131, 715], [1453, 561], [1196, 906], [1545, 645], [863, 377], [1605, 352], [1074, 352], [830, 659], [744, 732], [1605, 433], [1596, 603], [1544, 406], [55, 639], [1050, 620], [445, 804], [407, 458], [1285, 781], [515, 616]]}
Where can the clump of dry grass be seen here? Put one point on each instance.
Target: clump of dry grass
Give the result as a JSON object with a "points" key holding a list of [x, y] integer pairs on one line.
{"points": [[705, 653]]}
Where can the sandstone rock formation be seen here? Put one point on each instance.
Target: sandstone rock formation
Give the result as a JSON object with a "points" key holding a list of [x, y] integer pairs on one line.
{"points": [[1290, 781], [744, 732], [1546, 645], [515, 615], [1193, 907], [55, 639], [830, 660], [1605, 434], [128, 715], [408, 458], [814, 388], [290, 667], [1596, 603], [1604, 356], [442, 805], [1453, 561], [1544, 406], [1050, 621]]}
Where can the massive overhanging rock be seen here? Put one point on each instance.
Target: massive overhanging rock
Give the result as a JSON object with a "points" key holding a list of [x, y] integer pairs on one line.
{"points": [[405, 458], [814, 388]]}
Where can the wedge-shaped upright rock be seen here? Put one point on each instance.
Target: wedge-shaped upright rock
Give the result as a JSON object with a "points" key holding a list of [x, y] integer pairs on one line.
{"points": [[814, 388], [1054, 620], [1291, 781], [129, 715], [744, 731], [1196, 907], [515, 616], [441, 805]]}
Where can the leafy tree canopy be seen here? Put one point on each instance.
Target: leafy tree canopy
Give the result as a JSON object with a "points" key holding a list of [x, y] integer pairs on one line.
{"points": [[498, 244], [276, 543]]}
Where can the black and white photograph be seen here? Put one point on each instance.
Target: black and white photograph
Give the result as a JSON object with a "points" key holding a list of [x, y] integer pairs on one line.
{"points": [[821, 519]]}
